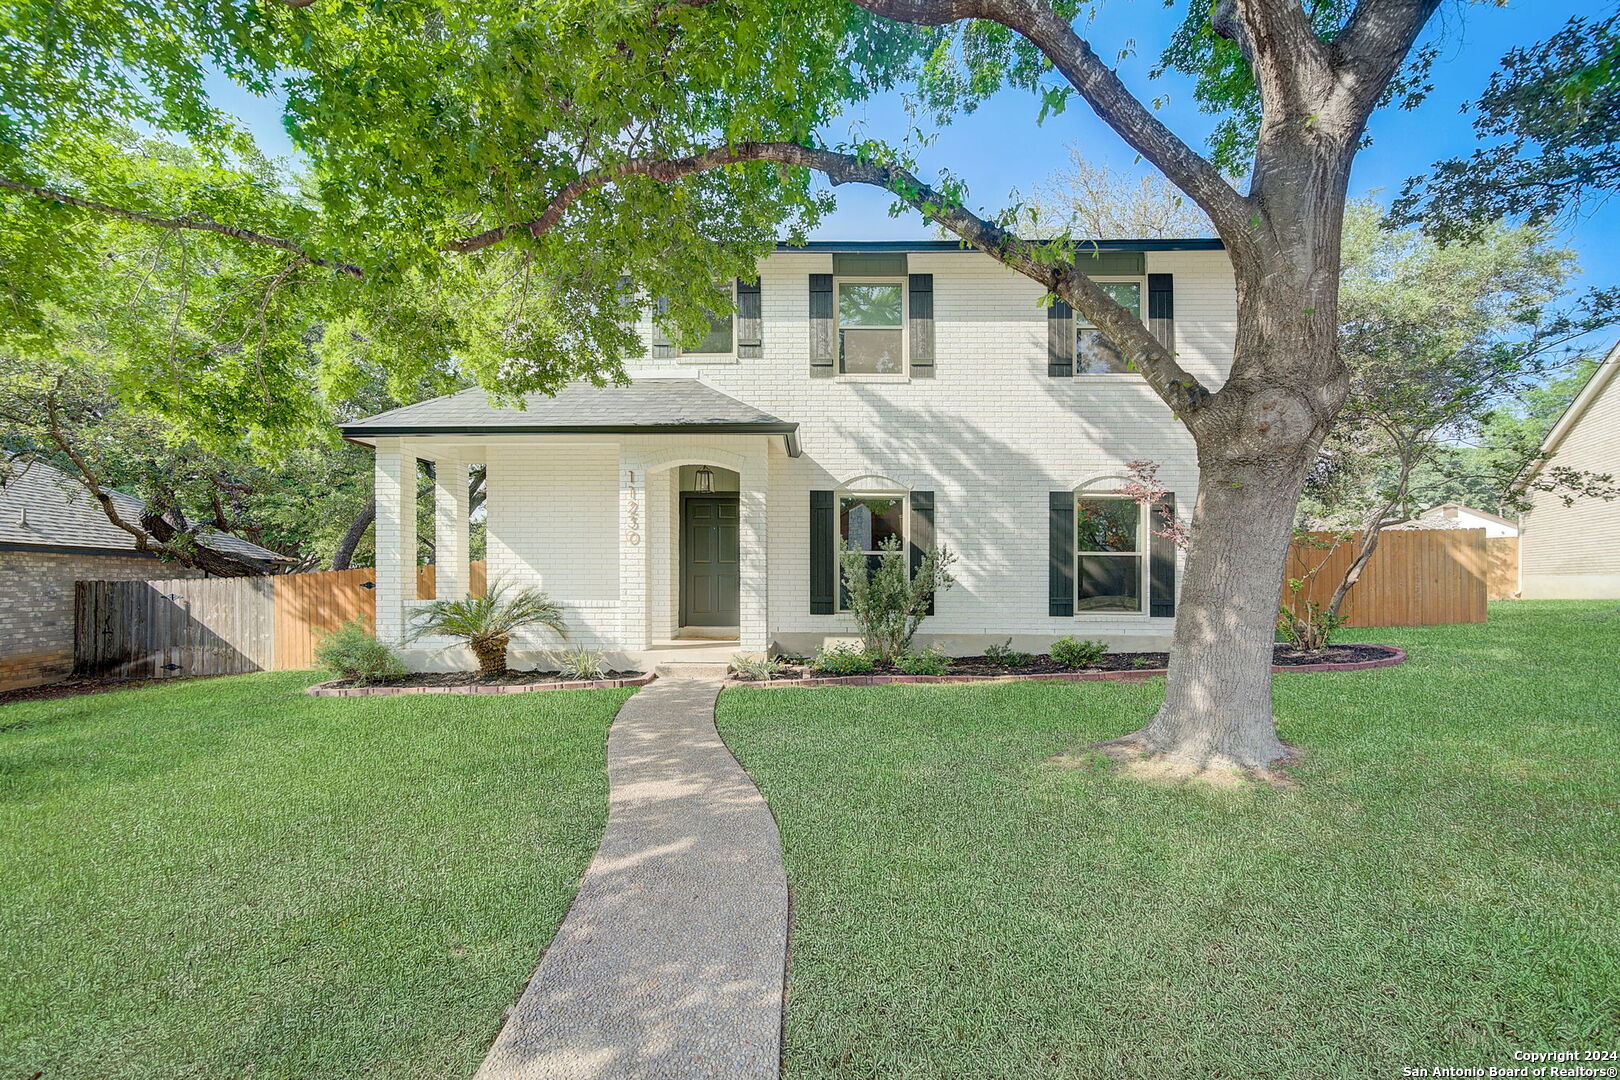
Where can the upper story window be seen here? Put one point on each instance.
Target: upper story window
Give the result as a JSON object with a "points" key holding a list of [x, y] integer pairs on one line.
{"points": [[1110, 539], [1094, 354], [871, 327], [720, 339]]}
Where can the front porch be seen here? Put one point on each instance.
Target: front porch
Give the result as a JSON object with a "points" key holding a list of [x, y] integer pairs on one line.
{"points": [[654, 545]]}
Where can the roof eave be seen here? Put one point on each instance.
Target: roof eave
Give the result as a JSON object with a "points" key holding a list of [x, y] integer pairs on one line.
{"points": [[360, 434], [1608, 367], [1191, 243]]}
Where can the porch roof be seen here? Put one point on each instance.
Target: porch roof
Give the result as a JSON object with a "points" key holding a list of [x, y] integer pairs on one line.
{"points": [[646, 406]]}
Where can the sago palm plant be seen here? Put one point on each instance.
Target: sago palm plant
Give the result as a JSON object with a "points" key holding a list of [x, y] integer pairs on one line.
{"points": [[486, 622]]}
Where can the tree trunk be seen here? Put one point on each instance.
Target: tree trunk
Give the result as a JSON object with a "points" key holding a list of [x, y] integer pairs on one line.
{"points": [[1217, 704], [1370, 532], [491, 654], [343, 557], [1257, 439]]}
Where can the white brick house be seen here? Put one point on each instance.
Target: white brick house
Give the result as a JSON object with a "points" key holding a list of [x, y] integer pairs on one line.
{"points": [[861, 390]]}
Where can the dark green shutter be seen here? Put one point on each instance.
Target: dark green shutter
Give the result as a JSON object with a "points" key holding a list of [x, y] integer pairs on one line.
{"points": [[1162, 560], [1059, 340], [750, 327], [823, 554], [1060, 575], [662, 348], [922, 325], [922, 532], [1161, 308], [821, 325]]}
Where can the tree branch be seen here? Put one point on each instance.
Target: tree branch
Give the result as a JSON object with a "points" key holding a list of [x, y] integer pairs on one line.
{"points": [[1179, 388], [188, 553], [1373, 45], [1291, 65], [196, 224], [1108, 97]]}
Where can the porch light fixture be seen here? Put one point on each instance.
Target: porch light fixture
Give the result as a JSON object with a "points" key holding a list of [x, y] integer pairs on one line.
{"points": [[704, 478]]}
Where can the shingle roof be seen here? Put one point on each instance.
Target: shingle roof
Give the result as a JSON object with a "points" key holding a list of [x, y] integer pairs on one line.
{"points": [[646, 405], [44, 507]]}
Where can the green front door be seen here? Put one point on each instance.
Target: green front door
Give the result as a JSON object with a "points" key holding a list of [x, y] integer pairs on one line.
{"points": [[709, 566]]}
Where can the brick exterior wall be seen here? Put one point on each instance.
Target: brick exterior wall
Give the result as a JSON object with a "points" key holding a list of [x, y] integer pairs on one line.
{"points": [[1573, 552], [36, 623], [991, 434]]}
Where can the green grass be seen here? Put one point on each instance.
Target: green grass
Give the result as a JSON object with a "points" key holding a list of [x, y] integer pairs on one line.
{"points": [[1441, 888], [226, 878]]}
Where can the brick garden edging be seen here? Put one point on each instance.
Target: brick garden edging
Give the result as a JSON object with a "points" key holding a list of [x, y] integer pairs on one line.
{"points": [[326, 689], [1396, 656]]}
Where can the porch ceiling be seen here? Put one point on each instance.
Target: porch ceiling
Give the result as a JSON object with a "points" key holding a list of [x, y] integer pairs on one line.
{"points": [[646, 406]]}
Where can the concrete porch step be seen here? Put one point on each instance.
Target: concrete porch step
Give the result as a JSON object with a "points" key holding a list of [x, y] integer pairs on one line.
{"points": [[692, 669]]}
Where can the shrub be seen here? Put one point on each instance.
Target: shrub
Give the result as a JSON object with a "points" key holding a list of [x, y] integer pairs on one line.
{"points": [[842, 659], [579, 664], [1071, 652], [486, 622], [352, 653], [1308, 626], [758, 668], [930, 661], [1007, 656], [887, 600]]}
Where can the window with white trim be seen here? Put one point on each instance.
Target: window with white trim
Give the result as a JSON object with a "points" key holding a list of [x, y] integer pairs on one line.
{"points": [[866, 522], [1094, 354], [871, 326], [721, 338], [1110, 540]]}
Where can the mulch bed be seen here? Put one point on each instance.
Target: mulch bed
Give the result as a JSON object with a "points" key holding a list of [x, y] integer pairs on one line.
{"points": [[473, 678], [78, 687], [1134, 663]]}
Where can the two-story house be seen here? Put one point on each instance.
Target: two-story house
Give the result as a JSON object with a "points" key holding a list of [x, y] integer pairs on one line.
{"points": [[861, 391]]}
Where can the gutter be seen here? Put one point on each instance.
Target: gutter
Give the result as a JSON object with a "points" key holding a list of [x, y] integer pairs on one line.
{"points": [[788, 431], [1197, 243]]}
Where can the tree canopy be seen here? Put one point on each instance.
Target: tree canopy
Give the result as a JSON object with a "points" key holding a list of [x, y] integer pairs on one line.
{"points": [[490, 184]]}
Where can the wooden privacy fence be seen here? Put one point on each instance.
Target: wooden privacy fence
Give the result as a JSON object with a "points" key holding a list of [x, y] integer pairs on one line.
{"points": [[310, 605], [222, 626], [1416, 577], [1502, 574], [189, 626]]}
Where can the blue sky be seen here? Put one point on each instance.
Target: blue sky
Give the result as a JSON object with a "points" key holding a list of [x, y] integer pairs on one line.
{"points": [[999, 148]]}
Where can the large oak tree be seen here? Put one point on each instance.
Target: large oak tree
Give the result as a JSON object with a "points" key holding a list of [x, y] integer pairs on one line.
{"points": [[532, 157]]}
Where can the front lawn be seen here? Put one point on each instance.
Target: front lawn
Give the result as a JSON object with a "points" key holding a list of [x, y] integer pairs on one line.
{"points": [[1442, 887], [225, 878]]}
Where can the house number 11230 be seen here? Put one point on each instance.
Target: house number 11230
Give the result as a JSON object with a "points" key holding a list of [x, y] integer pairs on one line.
{"points": [[632, 513]]}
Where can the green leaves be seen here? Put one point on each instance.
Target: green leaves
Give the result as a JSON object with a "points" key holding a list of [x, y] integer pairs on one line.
{"points": [[1552, 117]]}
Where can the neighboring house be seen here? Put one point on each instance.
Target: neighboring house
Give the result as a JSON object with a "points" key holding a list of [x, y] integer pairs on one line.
{"points": [[52, 533], [1457, 516], [863, 391], [1574, 551]]}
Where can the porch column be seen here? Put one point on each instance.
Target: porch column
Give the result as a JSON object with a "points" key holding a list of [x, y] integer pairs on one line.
{"points": [[633, 548], [394, 475], [753, 490], [451, 539]]}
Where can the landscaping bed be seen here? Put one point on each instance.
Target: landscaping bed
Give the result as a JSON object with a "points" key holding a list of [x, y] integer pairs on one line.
{"points": [[75, 687], [1110, 666], [471, 682]]}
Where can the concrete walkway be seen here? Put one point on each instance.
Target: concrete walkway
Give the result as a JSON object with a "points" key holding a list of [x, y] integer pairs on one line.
{"points": [[670, 961]]}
